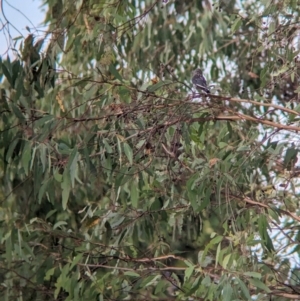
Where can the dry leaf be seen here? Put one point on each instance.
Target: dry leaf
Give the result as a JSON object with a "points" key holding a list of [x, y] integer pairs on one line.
{"points": [[213, 161], [253, 75]]}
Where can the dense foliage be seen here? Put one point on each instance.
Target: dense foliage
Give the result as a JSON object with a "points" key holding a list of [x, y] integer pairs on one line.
{"points": [[120, 182]]}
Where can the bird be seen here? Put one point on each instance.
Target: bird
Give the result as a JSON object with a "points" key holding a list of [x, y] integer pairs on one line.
{"points": [[199, 81]]}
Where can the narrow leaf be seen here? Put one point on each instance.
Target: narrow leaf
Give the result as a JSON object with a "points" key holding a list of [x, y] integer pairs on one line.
{"points": [[128, 152], [257, 283]]}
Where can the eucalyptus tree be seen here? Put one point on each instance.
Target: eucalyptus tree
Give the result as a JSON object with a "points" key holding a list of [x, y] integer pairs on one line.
{"points": [[121, 181]]}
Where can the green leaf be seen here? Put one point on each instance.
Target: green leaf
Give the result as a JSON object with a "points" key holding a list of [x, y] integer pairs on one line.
{"points": [[58, 224], [193, 199], [17, 112], [188, 272], [72, 165], [192, 181], [258, 284], [42, 190], [160, 288], [134, 195], [226, 261], [159, 85], [15, 71], [49, 273], [114, 72], [290, 157], [132, 274], [108, 233], [76, 260], [44, 120], [50, 213], [57, 176], [244, 288], [66, 188], [252, 274], [216, 240], [283, 69], [218, 255], [236, 25], [206, 281], [7, 74], [8, 249], [205, 200], [107, 146], [37, 176], [26, 156], [43, 155], [58, 286], [128, 152], [227, 292], [263, 231]]}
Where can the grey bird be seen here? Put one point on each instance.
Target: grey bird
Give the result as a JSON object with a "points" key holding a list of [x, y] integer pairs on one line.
{"points": [[199, 81]]}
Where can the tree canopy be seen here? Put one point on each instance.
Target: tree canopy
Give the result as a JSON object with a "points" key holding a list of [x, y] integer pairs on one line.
{"points": [[120, 181]]}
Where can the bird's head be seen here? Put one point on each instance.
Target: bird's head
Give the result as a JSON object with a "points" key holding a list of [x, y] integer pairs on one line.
{"points": [[198, 71]]}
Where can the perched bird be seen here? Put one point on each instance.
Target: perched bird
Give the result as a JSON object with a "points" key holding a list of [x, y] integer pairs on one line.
{"points": [[199, 81]]}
